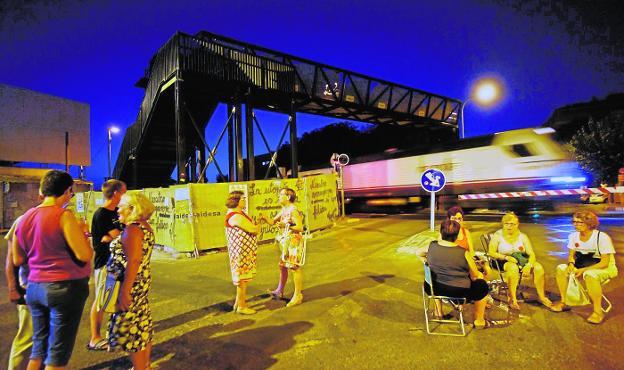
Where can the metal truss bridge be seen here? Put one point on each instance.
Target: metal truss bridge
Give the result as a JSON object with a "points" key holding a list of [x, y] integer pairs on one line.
{"points": [[190, 75]]}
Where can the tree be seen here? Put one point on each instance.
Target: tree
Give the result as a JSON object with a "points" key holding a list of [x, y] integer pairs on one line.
{"points": [[598, 146]]}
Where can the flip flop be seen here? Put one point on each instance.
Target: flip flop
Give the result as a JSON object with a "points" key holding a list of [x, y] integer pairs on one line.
{"points": [[101, 345]]}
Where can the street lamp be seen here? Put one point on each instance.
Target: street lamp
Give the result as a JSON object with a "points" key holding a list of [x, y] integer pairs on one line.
{"points": [[111, 130], [485, 92]]}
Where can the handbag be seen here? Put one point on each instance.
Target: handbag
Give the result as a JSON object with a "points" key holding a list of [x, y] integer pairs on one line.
{"points": [[582, 260], [575, 294], [110, 296], [521, 257]]}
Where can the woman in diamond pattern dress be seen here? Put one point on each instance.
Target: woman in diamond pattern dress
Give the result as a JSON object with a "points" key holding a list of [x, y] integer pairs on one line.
{"points": [[241, 231]]}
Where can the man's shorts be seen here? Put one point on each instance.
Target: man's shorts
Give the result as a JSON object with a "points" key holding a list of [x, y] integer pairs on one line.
{"points": [[100, 285]]}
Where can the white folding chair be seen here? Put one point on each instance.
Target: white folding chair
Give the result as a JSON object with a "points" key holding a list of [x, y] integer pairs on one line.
{"points": [[606, 300], [498, 286], [457, 305]]}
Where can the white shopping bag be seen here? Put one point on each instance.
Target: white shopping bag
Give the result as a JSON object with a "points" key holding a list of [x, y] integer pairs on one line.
{"points": [[575, 295]]}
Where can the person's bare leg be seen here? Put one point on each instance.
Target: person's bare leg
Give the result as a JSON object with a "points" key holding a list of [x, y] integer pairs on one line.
{"points": [[538, 280], [95, 319], [562, 283], [35, 364], [594, 290], [279, 291], [139, 361], [513, 277], [479, 312], [297, 297], [241, 295]]}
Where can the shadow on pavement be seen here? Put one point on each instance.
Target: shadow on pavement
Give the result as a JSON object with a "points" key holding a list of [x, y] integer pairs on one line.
{"points": [[247, 349], [217, 308]]}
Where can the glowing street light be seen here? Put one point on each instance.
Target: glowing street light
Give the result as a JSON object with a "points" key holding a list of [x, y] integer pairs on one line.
{"points": [[485, 92], [111, 130]]}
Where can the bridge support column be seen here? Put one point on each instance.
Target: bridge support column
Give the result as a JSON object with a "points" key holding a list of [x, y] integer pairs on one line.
{"points": [[238, 129], [294, 158], [193, 165], [180, 134], [235, 143], [201, 159], [249, 128]]}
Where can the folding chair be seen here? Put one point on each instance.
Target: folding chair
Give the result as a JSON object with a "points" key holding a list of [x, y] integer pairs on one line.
{"points": [[430, 309], [498, 287], [606, 300]]}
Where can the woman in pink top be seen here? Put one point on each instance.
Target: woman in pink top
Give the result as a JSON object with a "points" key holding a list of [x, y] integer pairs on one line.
{"points": [[54, 245]]}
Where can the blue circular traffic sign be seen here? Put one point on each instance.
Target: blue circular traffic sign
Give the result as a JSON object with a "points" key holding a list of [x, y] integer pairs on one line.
{"points": [[432, 180]]}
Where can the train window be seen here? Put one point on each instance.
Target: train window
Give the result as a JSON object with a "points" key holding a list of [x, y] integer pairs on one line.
{"points": [[521, 150]]}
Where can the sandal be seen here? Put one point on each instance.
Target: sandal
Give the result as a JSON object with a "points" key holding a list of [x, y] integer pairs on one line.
{"points": [[595, 318], [101, 345], [447, 316], [275, 294], [245, 311], [550, 306], [295, 300], [561, 307], [486, 324], [513, 305]]}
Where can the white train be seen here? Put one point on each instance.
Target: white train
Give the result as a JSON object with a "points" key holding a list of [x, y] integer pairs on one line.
{"points": [[517, 160]]}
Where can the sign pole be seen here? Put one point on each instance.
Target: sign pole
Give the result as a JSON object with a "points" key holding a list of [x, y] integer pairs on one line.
{"points": [[342, 200], [432, 223], [432, 181]]}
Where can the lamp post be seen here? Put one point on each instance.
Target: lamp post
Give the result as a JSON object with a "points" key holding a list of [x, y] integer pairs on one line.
{"points": [[485, 92], [111, 130]]}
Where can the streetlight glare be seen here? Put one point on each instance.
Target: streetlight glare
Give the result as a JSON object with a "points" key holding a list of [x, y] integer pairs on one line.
{"points": [[484, 92], [114, 129], [487, 91]]}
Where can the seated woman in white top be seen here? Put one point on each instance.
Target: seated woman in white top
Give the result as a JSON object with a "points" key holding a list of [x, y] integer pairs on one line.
{"points": [[592, 256], [514, 252]]}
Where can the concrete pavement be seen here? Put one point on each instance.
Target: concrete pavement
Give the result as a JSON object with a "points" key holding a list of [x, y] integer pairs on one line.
{"points": [[362, 310]]}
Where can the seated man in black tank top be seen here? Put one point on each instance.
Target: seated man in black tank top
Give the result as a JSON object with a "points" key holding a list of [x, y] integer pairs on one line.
{"points": [[454, 271]]}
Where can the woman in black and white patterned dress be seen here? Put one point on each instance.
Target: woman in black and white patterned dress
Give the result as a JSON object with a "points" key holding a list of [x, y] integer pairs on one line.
{"points": [[131, 328]]}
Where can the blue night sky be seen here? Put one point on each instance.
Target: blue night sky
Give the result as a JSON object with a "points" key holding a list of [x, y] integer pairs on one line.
{"points": [[94, 52]]}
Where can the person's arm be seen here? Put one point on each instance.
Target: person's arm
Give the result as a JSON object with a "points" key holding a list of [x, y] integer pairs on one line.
{"points": [[132, 244], [297, 221], [17, 253], [243, 223], [571, 260], [270, 221], [528, 247], [474, 272], [16, 292], [76, 238], [469, 239], [603, 264], [110, 236]]}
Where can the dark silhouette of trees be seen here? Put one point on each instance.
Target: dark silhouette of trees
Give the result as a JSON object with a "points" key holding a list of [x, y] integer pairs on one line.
{"points": [[598, 146], [316, 147]]}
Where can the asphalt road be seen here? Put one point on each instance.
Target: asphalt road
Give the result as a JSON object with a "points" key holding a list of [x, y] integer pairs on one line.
{"points": [[362, 310]]}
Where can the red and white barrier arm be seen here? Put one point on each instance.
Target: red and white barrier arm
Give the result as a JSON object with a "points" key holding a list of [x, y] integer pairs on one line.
{"points": [[544, 193]]}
